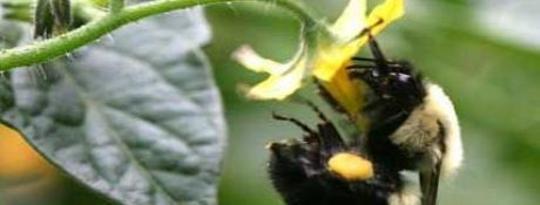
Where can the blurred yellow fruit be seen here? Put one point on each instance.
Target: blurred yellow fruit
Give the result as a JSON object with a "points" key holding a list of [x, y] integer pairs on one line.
{"points": [[18, 159]]}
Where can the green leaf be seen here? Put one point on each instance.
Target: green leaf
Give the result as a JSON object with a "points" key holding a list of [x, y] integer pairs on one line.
{"points": [[136, 117]]}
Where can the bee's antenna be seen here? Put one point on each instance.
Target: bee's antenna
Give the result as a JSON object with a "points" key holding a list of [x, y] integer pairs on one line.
{"points": [[367, 30], [359, 67], [376, 50], [380, 60]]}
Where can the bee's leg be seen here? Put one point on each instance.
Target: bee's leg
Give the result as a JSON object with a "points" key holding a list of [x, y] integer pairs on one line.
{"points": [[363, 72], [325, 94], [328, 136], [295, 121], [429, 184], [316, 109]]}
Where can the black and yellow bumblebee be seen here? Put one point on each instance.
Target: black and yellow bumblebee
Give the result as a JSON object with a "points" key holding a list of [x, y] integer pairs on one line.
{"points": [[412, 126]]}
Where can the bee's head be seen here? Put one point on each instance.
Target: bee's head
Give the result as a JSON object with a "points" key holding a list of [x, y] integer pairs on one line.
{"points": [[394, 81]]}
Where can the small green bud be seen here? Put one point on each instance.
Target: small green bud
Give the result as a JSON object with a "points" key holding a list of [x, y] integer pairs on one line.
{"points": [[61, 10], [43, 19]]}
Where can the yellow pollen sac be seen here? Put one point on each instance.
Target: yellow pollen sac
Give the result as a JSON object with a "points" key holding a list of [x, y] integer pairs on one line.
{"points": [[351, 167]]}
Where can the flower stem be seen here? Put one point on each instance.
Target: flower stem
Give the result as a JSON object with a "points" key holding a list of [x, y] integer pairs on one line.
{"points": [[41, 51]]}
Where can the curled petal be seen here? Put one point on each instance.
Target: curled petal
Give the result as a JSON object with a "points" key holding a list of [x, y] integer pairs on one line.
{"points": [[246, 56], [351, 21], [284, 78], [280, 86]]}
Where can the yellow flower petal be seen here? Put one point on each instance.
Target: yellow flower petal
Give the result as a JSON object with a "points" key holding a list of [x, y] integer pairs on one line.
{"points": [[246, 56], [351, 21], [330, 58], [284, 78], [348, 94], [332, 54], [388, 11], [280, 86]]}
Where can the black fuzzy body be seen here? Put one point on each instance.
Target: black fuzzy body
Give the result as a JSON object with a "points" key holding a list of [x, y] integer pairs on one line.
{"points": [[299, 173]]}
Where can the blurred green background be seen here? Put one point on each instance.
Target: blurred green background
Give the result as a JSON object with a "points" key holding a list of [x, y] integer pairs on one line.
{"points": [[485, 53]]}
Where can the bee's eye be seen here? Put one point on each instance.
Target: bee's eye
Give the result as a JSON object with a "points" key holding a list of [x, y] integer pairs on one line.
{"points": [[375, 73], [403, 77]]}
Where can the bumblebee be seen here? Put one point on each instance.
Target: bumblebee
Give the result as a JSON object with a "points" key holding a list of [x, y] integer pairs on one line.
{"points": [[411, 125], [412, 122]]}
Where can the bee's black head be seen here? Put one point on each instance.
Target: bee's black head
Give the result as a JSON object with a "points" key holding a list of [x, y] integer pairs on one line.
{"points": [[395, 81], [321, 169]]}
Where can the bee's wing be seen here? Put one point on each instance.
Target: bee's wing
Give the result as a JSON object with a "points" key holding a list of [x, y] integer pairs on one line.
{"points": [[429, 183]]}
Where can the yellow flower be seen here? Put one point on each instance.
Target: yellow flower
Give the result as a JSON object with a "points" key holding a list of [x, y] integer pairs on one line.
{"points": [[333, 53], [326, 58]]}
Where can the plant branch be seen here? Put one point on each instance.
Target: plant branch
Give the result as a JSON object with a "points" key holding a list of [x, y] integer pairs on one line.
{"points": [[41, 51]]}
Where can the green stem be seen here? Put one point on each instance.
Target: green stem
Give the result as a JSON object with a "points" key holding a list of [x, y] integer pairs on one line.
{"points": [[60, 45]]}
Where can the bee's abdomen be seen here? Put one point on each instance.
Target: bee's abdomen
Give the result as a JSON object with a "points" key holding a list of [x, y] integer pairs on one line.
{"points": [[300, 184]]}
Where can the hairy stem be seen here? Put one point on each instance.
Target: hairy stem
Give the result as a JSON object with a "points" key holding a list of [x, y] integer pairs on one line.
{"points": [[60, 45]]}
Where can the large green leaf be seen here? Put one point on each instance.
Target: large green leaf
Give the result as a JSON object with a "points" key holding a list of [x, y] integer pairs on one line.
{"points": [[136, 117]]}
